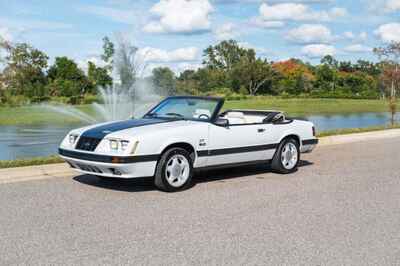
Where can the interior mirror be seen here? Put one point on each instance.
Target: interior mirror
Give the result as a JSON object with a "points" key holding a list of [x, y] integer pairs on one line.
{"points": [[222, 122]]}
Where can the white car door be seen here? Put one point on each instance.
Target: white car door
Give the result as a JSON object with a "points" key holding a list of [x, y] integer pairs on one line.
{"points": [[237, 143]]}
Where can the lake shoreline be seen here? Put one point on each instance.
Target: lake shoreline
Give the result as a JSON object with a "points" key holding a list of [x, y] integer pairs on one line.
{"points": [[55, 159], [36, 114]]}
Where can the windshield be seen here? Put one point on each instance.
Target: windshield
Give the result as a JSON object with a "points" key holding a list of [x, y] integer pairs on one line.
{"points": [[185, 108]]}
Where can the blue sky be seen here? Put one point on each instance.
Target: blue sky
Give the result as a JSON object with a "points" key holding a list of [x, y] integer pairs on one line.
{"points": [[174, 32]]}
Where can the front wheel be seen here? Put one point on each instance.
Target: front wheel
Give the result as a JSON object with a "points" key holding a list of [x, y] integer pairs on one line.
{"points": [[287, 157], [174, 170]]}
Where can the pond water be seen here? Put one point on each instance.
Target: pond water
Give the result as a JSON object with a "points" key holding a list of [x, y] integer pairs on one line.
{"points": [[17, 142]]}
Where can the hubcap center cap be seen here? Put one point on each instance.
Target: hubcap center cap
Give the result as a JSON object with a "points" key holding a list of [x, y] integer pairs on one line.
{"points": [[176, 171]]}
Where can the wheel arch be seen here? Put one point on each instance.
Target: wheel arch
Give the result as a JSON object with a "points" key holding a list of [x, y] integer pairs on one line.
{"points": [[183, 145], [293, 136]]}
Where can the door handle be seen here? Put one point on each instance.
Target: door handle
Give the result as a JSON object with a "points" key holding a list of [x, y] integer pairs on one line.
{"points": [[261, 130]]}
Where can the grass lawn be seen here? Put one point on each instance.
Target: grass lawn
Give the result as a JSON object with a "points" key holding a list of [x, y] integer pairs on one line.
{"points": [[31, 115], [34, 115], [311, 106]]}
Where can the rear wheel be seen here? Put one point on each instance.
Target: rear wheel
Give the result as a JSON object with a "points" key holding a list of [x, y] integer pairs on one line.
{"points": [[287, 157], [174, 170]]}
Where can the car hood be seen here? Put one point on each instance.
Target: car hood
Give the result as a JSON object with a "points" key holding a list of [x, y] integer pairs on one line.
{"points": [[127, 128], [102, 130]]}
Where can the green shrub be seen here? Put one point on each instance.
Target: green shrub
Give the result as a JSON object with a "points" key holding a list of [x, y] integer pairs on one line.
{"points": [[60, 99], [74, 100], [89, 99], [39, 99]]}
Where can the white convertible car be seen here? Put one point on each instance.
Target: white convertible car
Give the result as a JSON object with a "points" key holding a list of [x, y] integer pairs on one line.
{"points": [[185, 133]]}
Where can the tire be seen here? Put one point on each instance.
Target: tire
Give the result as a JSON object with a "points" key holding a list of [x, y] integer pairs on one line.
{"points": [[280, 162], [174, 170]]}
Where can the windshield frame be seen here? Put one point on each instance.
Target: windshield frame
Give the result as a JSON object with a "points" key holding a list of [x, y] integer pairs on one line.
{"points": [[214, 116]]}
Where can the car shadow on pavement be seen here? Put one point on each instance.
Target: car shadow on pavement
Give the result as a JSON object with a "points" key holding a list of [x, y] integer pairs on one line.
{"points": [[146, 184], [237, 172], [126, 185]]}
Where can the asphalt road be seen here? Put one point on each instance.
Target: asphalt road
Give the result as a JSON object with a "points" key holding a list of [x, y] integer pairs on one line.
{"points": [[341, 208]]}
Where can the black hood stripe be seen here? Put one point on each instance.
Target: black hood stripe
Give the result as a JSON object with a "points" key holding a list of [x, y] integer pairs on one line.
{"points": [[101, 131]]}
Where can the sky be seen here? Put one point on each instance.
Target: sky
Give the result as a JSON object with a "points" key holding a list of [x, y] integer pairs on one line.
{"points": [[174, 33]]}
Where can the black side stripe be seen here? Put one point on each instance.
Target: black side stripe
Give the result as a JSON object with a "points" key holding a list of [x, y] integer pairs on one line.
{"points": [[237, 150], [310, 142], [248, 149], [107, 158]]}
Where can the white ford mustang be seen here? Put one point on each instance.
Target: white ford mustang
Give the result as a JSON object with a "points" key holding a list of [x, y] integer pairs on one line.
{"points": [[185, 133]]}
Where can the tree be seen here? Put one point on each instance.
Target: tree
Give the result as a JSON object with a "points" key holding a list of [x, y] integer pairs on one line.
{"points": [[127, 64], [253, 74], [98, 76], [295, 77], [330, 61], [24, 71], [164, 80], [108, 53], [391, 60], [225, 55], [67, 79], [391, 73]]}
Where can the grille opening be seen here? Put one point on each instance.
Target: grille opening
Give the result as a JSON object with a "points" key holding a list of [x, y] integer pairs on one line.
{"points": [[89, 168], [87, 144]]}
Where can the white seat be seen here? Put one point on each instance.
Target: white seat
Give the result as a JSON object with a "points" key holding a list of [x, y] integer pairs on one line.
{"points": [[236, 118]]}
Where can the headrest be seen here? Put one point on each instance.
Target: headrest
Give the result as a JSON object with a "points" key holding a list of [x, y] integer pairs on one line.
{"points": [[199, 112]]}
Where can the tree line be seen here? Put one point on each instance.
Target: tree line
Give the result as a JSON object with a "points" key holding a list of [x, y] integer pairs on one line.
{"points": [[227, 69]]}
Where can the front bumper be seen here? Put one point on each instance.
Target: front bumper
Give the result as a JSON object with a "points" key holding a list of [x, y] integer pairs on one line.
{"points": [[110, 166]]}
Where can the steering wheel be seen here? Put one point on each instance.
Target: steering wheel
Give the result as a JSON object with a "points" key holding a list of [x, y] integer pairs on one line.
{"points": [[204, 116]]}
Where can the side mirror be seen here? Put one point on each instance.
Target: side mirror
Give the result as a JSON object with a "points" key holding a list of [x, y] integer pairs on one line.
{"points": [[222, 122]]}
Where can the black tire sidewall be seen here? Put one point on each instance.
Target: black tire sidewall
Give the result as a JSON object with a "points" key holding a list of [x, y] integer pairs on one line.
{"points": [[277, 162], [160, 178]]}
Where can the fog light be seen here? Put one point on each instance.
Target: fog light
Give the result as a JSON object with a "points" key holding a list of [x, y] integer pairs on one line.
{"points": [[115, 171]]}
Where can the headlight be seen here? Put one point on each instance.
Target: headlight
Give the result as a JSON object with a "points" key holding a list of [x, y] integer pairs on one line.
{"points": [[118, 145], [72, 138], [124, 144], [114, 144]]}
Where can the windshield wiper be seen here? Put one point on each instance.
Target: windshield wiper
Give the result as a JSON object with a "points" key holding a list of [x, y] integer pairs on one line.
{"points": [[175, 114], [151, 115]]}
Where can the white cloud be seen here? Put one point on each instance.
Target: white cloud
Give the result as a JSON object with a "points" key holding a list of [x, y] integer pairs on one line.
{"points": [[389, 32], [260, 51], [318, 50], [5, 34], [349, 35], [362, 37], [149, 54], [392, 5], [83, 63], [357, 48], [298, 12], [226, 31], [310, 33], [261, 23], [180, 16], [114, 14], [187, 66]]}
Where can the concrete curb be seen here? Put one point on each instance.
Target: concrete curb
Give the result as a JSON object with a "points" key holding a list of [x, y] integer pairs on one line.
{"points": [[357, 137], [39, 172]]}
